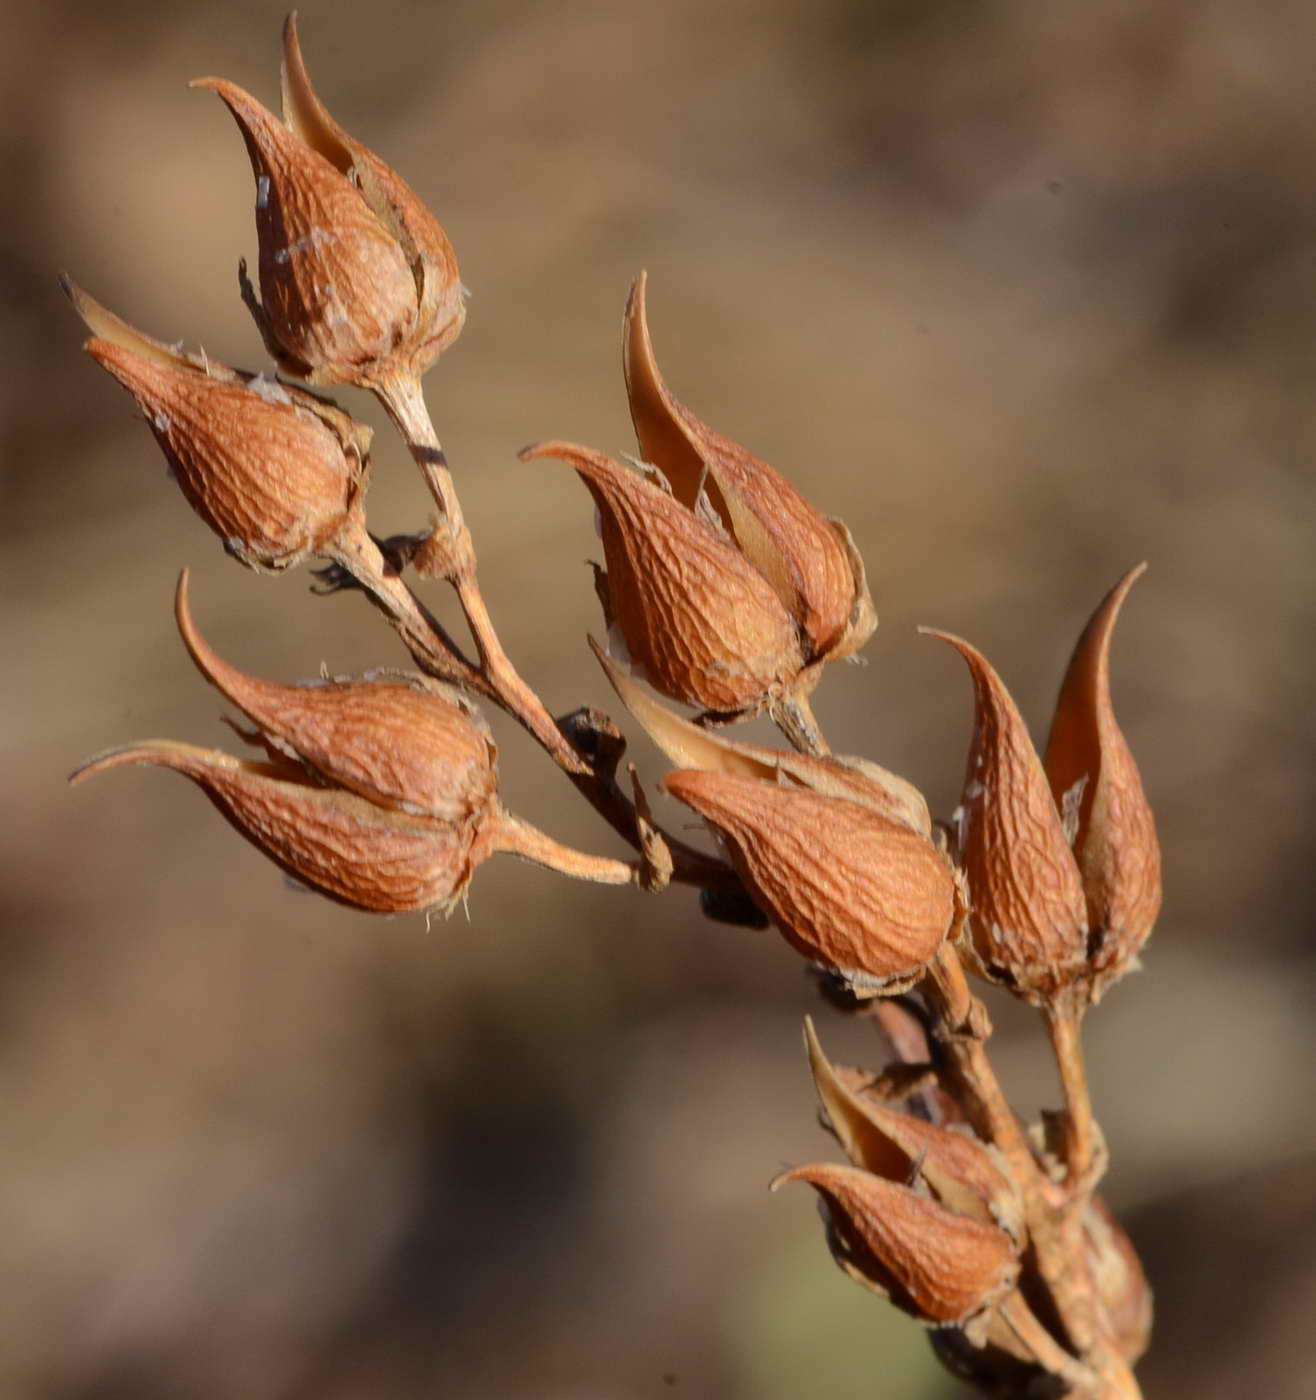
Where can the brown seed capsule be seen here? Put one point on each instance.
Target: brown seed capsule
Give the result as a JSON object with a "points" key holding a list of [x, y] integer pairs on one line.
{"points": [[810, 562], [352, 850], [359, 283], [937, 1265], [400, 745], [275, 472], [690, 745], [1098, 790], [962, 1173], [1028, 921], [848, 888], [696, 615]]}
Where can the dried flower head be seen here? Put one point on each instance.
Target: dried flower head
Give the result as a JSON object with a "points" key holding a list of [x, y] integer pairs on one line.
{"points": [[962, 1173], [935, 1264], [400, 741], [702, 623], [1097, 788], [370, 857], [276, 473], [358, 282], [850, 889], [1027, 925], [380, 792], [810, 561]]}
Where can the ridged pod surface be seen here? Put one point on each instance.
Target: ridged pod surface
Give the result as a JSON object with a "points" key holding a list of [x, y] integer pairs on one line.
{"points": [[1095, 782], [940, 1267], [273, 471], [802, 555], [700, 619], [848, 888], [1028, 918], [360, 854], [396, 744]]}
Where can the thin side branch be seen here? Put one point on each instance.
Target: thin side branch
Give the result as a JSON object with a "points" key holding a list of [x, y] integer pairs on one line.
{"points": [[1062, 1024]]}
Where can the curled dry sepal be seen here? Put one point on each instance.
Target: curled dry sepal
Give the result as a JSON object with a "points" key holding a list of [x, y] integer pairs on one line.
{"points": [[1062, 860], [380, 792], [723, 584], [358, 282]]}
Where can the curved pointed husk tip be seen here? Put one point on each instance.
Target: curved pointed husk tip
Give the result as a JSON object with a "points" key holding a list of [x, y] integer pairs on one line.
{"points": [[249, 112], [532, 451], [303, 110], [983, 672], [636, 314], [204, 657], [1095, 640], [167, 753], [815, 1174], [783, 1178], [572, 453], [937, 634], [104, 325], [1109, 609]]}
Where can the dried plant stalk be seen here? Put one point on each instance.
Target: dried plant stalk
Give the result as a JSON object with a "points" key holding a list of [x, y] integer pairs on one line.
{"points": [[728, 591]]}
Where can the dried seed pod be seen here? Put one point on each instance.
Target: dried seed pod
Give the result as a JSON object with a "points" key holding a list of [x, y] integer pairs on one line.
{"points": [[401, 745], [810, 562], [276, 473], [941, 1267], [963, 1173], [848, 888], [699, 618], [359, 283], [358, 853], [692, 746], [1097, 788], [1027, 925]]}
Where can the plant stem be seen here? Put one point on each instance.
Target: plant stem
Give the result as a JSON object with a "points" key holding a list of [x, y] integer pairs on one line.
{"points": [[495, 676], [522, 839], [454, 552], [796, 720], [422, 634], [1049, 1354], [1062, 1023], [1055, 1227], [963, 1026]]}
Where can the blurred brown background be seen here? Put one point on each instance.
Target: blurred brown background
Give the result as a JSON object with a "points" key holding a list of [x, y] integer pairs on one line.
{"points": [[1023, 291]]}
